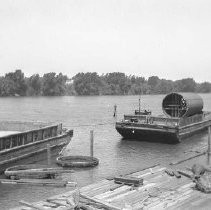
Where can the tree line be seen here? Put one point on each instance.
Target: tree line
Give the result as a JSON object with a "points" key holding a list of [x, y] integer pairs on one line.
{"points": [[91, 83]]}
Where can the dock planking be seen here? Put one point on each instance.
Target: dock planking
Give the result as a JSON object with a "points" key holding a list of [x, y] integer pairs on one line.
{"points": [[159, 191], [172, 191]]}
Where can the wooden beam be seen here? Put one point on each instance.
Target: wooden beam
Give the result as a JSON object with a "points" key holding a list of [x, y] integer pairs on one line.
{"points": [[33, 206], [104, 204], [91, 143], [49, 154]]}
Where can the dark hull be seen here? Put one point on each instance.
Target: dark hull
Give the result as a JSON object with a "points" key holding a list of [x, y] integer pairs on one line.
{"points": [[160, 133], [34, 152], [148, 135]]}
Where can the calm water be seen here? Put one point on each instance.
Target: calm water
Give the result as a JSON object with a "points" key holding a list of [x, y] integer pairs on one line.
{"points": [[84, 114]]}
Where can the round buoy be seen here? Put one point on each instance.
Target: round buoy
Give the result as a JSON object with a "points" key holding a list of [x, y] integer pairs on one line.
{"points": [[77, 161]]}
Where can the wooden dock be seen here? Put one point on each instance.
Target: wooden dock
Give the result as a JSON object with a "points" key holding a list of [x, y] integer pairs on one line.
{"points": [[159, 191]]}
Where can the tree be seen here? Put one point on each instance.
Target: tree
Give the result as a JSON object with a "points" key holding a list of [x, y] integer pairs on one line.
{"points": [[49, 84], [87, 83], [14, 84], [61, 84], [54, 85], [153, 82], [70, 91], [115, 83], [204, 87], [164, 86], [185, 85], [34, 85], [119, 83]]}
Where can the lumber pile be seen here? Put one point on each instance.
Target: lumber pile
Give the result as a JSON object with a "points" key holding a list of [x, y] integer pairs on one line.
{"points": [[156, 188]]}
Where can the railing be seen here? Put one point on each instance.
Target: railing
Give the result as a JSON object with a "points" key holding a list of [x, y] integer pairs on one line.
{"points": [[23, 138], [193, 119], [149, 119], [167, 121]]}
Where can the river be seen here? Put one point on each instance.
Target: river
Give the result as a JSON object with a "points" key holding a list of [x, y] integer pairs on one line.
{"points": [[83, 114]]}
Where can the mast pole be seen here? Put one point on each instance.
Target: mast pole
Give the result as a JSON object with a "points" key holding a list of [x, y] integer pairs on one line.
{"points": [[139, 105]]}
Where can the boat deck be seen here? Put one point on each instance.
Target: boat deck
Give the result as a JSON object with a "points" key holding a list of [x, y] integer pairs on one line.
{"points": [[159, 191]]}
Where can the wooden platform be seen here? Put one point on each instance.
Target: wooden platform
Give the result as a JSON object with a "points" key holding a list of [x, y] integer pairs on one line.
{"points": [[159, 191]]}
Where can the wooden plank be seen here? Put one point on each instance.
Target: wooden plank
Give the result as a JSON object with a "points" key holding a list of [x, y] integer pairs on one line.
{"points": [[70, 202], [94, 185], [158, 187], [187, 203], [119, 198], [63, 195], [140, 196], [127, 195], [106, 205], [116, 192], [149, 170], [182, 191], [102, 189], [39, 171], [33, 206], [58, 202], [174, 183], [145, 170], [201, 198], [180, 198], [170, 200], [47, 204], [129, 180], [153, 173], [87, 207], [156, 178], [122, 192], [42, 181], [166, 194], [151, 201], [186, 159], [45, 182]]}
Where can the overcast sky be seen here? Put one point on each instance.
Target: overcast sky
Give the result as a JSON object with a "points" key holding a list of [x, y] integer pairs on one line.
{"points": [[167, 38]]}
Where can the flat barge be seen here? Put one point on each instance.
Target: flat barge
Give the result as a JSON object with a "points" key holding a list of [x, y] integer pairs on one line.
{"points": [[24, 142], [184, 117]]}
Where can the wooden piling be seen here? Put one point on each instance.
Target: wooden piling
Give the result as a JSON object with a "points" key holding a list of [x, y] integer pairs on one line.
{"points": [[91, 143], [209, 147], [49, 154], [115, 111]]}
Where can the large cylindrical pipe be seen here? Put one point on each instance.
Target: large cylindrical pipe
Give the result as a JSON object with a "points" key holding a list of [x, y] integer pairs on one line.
{"points": [[182, 104]]}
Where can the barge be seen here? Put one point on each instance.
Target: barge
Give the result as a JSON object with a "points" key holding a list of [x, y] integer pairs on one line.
{"points": [[24, 142], [184, 116]]}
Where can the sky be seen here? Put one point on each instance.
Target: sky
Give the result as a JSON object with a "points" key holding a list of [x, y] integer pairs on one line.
{"points": [[167, 38]]}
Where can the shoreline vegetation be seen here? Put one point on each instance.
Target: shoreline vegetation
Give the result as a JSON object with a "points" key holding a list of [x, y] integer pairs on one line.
{"points": [[82, 84]]}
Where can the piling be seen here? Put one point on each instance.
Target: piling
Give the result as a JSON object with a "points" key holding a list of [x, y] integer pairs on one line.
{"points": [[91, 143], [49, 154], [209, 147], [115, 111]]}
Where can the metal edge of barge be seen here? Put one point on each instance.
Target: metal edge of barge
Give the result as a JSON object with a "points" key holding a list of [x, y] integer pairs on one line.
{"points": [[25, 145]]}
